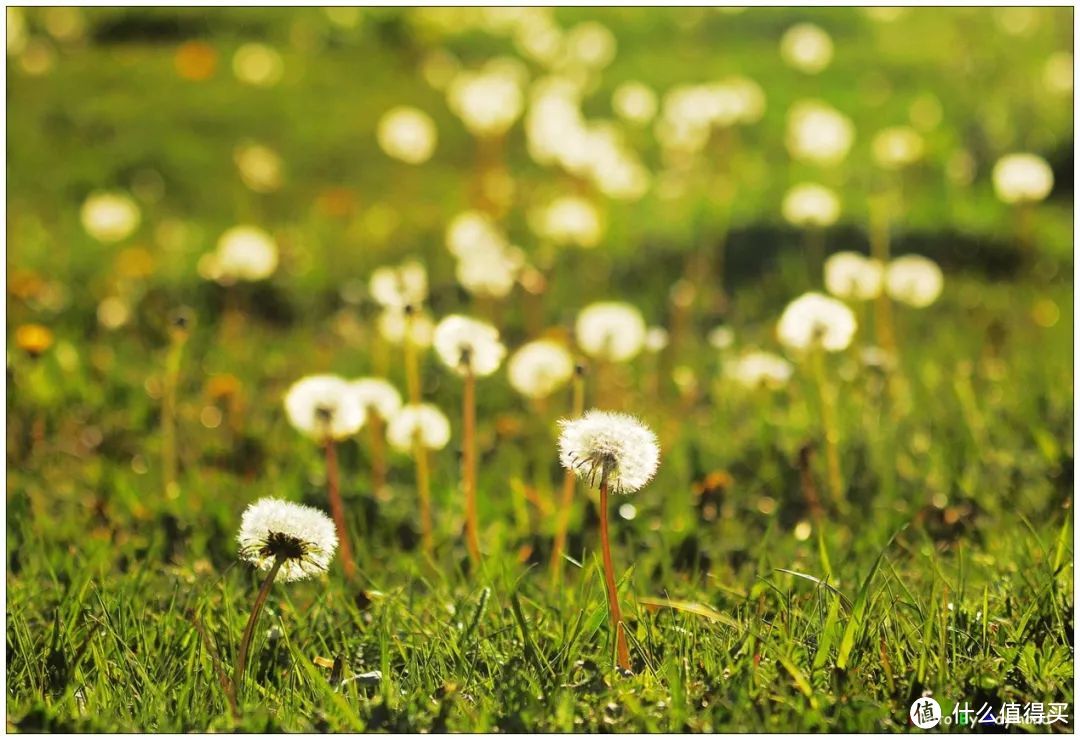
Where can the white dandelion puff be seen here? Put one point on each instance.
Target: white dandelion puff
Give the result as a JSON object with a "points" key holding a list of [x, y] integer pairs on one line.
{"points": [[407, 134], [466, 345], [301, 536], [897, 147], [109, 217], [914, 280], [324, 407], [1022, 178], [806, 47], [757, 369], [400, 286], [377, 396], [815, 320], [656, 339], [818, 133], [244, 253], [611, 330], [810, 204], [612, 446], [394, 324], [418, 422], [851, 276], [540, 368]]}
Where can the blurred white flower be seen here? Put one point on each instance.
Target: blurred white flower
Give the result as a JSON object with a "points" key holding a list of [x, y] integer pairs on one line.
{"points": [[755, 369], [465, 344], [260, 167], [1058, 73], [815, 320], [398, 286], [423, 423], [818, 133], [914, 280], [487, 103], [570, 219], [656, 339], [393, 323], [113, 312], [377, 396], [590, 43], [109, 216], [810, 204], [408, 134], [539, 368], [806, 47], [473, 231], [258, 64], [610, 330], [324, 407], [490, 272], [634, 102], [1022, 178], [853, 277], [302, 536], [244, 253], [721, 337], [897, 147], [603, 444]]}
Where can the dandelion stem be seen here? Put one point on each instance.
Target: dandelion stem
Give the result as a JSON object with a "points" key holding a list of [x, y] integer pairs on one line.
{"points": [[178, 338], [468, 464], [378, 453], [814, 238], [249, 629], [879, 250], [412, 360], [423, 486], [337, 508], [829, 429], [569, 484], [621, 650]]}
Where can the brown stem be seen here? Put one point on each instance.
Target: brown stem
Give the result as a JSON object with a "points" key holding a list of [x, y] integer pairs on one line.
{"points": [[337, 508], [621, 649], [423, 486], [378, 454], [249, 630], [468, 465], [569, 481]]}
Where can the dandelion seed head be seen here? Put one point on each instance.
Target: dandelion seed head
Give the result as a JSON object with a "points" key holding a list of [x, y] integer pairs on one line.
{"points": [[818, 133], [487, 102], [407, 134], [540, 368], [244, 253], [814, 319], [399, 286], [756, 369], [721, 337], [807, 48], [468, 345], [897, 147], [109, 217], [810, 204], [634, 102], [302, 535], [611, 330], [914, 280], [851, 276], [423, 423], [1022, 178], [324, 407], [656, 339], [491, 271], [569, 220], [394, 324], [611, 444], [378, 396]]}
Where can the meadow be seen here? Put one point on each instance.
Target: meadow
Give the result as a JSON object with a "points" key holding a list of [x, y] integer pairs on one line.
{"points": [[831, 533]]}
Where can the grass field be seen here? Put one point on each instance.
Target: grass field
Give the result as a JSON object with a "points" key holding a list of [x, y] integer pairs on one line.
{"points": [[945, 570]]}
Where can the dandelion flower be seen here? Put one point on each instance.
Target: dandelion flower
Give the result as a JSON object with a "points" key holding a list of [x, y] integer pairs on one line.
{"points": [[472, 231], [400, 286], [611, 330], [488, 103], [634, 102], [814, 319], [244, 253], [539, 368], [612, 446], [914, 280], [721, 337], [109, 217], [1022, 178], [324, 407], [490, 272], [810, 204], [656, 339], [393, 325], [260, 167], [759, 369], [807, 48], [466, 345], [422, 422], [570, 220], [301, 536], [851, 276], [407, 134], [377, 396]]}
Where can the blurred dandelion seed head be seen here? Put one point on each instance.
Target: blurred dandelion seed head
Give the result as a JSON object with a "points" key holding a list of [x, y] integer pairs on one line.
{"points": [[467, 345], [818, 133], [810, 204], [109, 217], [615, 446], [853, 277], [539, 368], [421, 423], [302, 536], [1022, 178], [399, 286], [807, 48], [815, 320], [395, 325], [407, 134], [244, 253], [610, 330], [324, 407], [897, 147], [756, 369], [378, 396], [914, 280]]}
